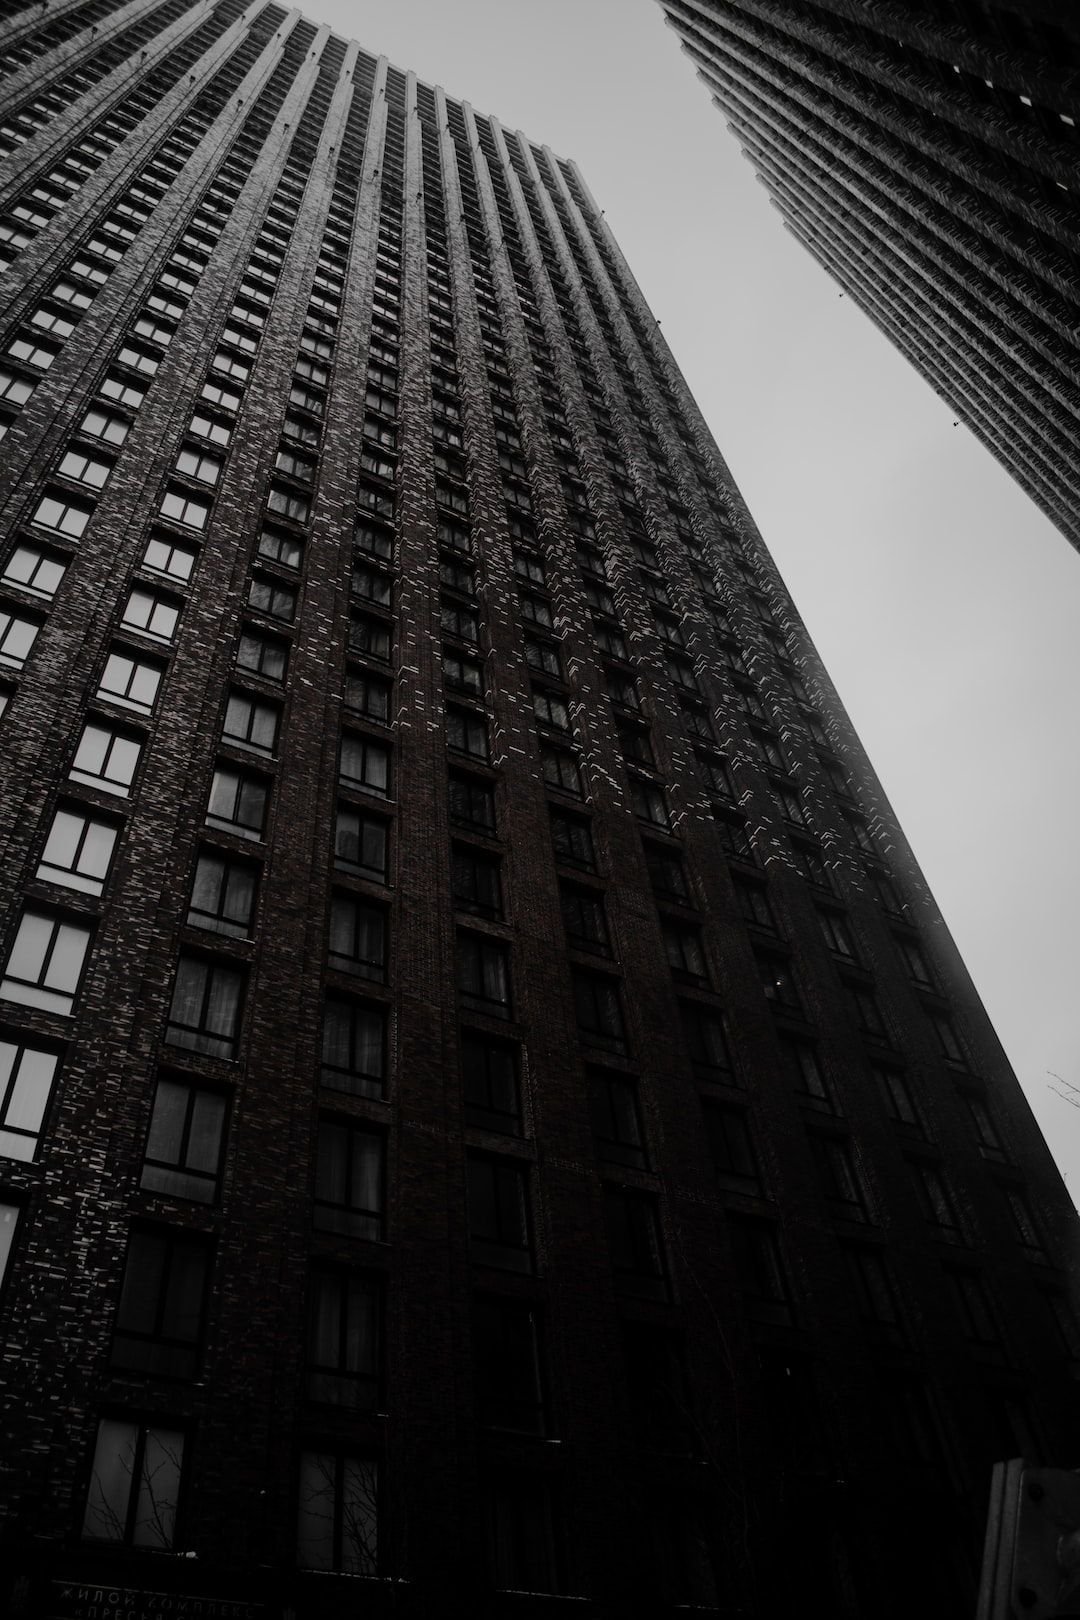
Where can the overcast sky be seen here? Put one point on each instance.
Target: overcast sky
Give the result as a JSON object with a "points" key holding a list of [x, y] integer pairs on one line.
{"points": [[944, 605]]}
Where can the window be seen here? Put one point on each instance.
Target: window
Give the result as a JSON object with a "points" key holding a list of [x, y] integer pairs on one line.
{"points": [[349, 1180], [472, 803], [262, 655], [731, 1145], [33, 569], [122, 391], [915, 962], [543, 657], [755, 1250], [281, 548], [477, 884], [206, 1006], [659, 1394], [684, 952], [616, 1121], [778, 983], [251, 723], [269, 596], [373, 540], [343, 1350], [467, 733], [105, 758], [868, 1015], [78, 850], [358, 937], [287, 504], [986, 1131], [509, 1378], [215, 432], [17, 636], [370, 637], [167, 557], [935, 1198], [489, 1082], [806, 1070], [135, 1484], [337, 1513], [572, 840], [159, 1320], [131, 682], [153, 614], [839, 1175], [873, 1289], [561, 770], [9, 1219], [361, 842], [184, 1145], [45, 966], [462, 674], [973, 1306], [483, 974], [584, 919], [16, 390], [896, 1094], [649, 803], [599, 1010], [364, 764], [33, 353], [190, 510], [238, 801], [460, 621], [834, 928], [368, 695], [354, 1047], [372, 585], [523, 1547], [498, 1213], [1024, 1229], [64, 516], [223, 893], [86, 469], [26, 1079], [637, 1254]]}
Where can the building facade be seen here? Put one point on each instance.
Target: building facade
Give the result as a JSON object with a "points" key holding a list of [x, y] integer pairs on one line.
{"points": [[490, 1115], [928, 156]]}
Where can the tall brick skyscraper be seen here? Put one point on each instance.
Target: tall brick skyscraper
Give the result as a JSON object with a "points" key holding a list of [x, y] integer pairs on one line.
{"points": [[487, 1104], [928, 155]]}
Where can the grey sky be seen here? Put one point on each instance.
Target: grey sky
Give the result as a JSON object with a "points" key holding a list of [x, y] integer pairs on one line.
{"points": [[944, 605]]}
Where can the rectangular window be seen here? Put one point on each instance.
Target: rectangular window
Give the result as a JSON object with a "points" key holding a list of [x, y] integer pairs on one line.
{"points": [[370, 637], [584, 920], [561, 770], [46, 962], [807, 1073], [368, 695], [63, 516], [867, 1012], [26, 1079], [262, 655], [184, 1146], [105, 758], [778, 983], [338, 1513], [35, 570], [365, 764], [759, 1268], [974, 1307], [467, 733], [361, 842], [281, 548], [483, 974], [616, 1120], [873, 1289], [895, 1091], [731, 1145], [349, 1180], [78, 850], [251, 723], [153, 614], [135, 1484], [477, 885], [238, 801], [343, 1348], [462, 674], [271, 597], [498, 1213], [166, 557], [206, 1007], [599, 1011], [17, 636], [1024, 1228], [637, 1253], [489, 1082], [506, 1354], [684, 951], [160, 1318], [354, 1048], [649, 803], [472, 804], [358, 937], [85, 469], [571, 837], [523, 1549], [935, 1198], [223, 893], [839, 1176], [131, 682], [659, 1392]]}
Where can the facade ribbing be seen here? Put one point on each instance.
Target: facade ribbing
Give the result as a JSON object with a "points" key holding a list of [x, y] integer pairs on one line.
{"points": [[490, 1114], [928, 155]]}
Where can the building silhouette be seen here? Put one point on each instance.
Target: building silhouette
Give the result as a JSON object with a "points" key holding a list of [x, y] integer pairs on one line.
{"points": [[928, 156], [490, 1113]]}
